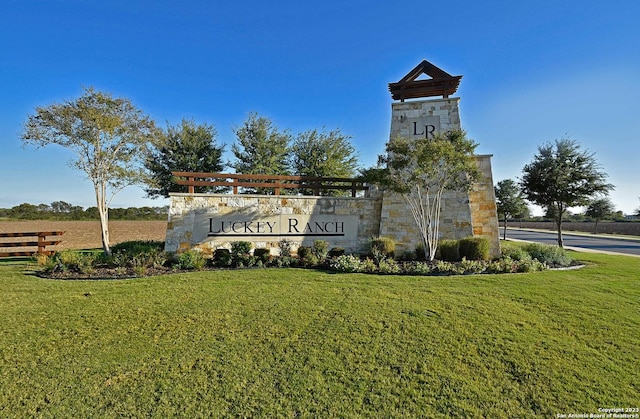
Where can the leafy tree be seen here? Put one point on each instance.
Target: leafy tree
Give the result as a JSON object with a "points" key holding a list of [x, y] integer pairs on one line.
{"points": [[421, 170], [260, 149], [189, 147], [561, 176], [24, 211], [509, 201], [323, 154], [109, 137], [599, 209]]}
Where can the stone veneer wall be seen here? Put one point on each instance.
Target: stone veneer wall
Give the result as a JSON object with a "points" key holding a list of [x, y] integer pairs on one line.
{"points": [[185, 209], [463, 214], [397, 222], [484, 212], [446, 110]]}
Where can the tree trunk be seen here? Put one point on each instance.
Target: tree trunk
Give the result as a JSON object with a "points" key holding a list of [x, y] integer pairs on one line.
{"points": [[505, 229], [103, 211], [559, 224], [595, 231]]}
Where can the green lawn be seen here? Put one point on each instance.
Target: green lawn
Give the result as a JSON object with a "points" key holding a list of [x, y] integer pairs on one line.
{"points": [[287, 343]]}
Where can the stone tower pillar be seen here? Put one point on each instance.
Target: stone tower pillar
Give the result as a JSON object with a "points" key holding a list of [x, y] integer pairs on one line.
{"points": [[463, 214]]}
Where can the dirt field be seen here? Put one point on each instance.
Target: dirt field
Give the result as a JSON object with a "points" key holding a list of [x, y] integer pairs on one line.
{"points": [[86, 234]]}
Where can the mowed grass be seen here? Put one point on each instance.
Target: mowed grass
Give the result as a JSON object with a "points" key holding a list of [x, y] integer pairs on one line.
{"points": [[285, 343]]}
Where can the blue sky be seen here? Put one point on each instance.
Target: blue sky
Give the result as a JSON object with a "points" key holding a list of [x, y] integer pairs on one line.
{"points": [[534, 71]]}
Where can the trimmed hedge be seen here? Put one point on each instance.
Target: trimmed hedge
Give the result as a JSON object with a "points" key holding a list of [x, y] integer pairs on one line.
{"points": [[474, 248], [448, 251]]}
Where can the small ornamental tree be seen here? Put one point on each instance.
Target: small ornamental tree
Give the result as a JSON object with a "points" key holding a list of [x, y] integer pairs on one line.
{"points": [[599, 209], [421, 170], [509, 201], [561, 176], [189, 147], [109, 136]]}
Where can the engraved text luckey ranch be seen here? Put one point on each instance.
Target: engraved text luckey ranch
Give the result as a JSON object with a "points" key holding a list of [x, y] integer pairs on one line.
{"points": [[288, 227]]}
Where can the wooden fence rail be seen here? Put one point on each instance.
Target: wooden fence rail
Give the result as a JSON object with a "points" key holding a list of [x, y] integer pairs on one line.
{"points": [[41, 243], [316, 185]]}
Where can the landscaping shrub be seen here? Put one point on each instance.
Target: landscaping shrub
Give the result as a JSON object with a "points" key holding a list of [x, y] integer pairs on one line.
{"points": [[550, 255], [472, 266], [137, 246], [192, 260], [381, 248], [420, 253], [306, 257], [241, 254], [262, 254], [347, 263], [388, 266], [448, 250], [474, 248], [320, 249], [303, 251], [446, 267], [335, 252], [418, 268], [515, 253], [222, 258], [285, 248], [69, 261]]}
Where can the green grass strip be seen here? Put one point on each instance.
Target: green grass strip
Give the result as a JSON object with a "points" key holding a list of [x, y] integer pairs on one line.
{"points": [[291, 342]]}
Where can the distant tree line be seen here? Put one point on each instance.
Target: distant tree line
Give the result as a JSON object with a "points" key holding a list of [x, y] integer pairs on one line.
{"points": [[63, 211]]}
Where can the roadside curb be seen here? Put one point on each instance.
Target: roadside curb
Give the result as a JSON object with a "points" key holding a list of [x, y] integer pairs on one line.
{"points": [[579, 249], [579, 233]]}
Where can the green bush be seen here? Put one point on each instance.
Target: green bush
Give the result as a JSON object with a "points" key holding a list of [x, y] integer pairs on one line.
{"points": [[335, 252], [222, 258], [473, 266], [306, 257], [369, 266], [420, 254], [347, 263], [240, 248], [388, 266], [418, 268], [137, 246], [474, 248], [285, 247], [262, 254], [241, 254], [320, 249], [69, 261], [191, 259], [516, 253], [283, 261], [550, 255], [81, 262], [448, 251], [382, 248], [303, 251], [138, 255]]}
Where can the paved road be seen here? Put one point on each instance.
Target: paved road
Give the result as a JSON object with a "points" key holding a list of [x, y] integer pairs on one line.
{"points": [[593, 243]]}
